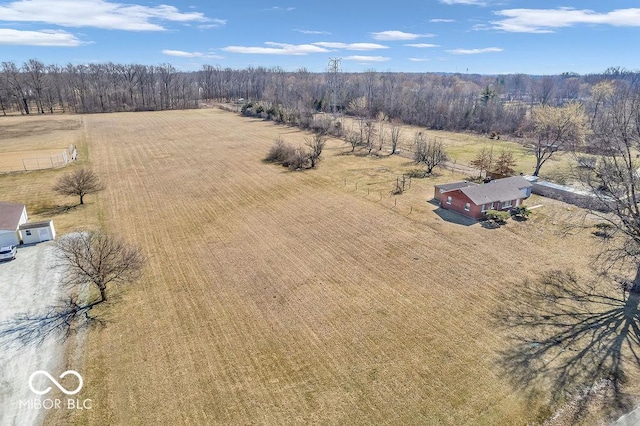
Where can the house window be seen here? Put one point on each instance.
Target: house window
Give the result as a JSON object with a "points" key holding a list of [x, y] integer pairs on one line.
{"points": [[467, 207], [448, 199], [493, 206], [28, 232], [506, 204]]}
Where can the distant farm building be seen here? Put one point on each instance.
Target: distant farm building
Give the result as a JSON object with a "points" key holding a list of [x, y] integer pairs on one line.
{"points": [[473, 200], [11, 217]]}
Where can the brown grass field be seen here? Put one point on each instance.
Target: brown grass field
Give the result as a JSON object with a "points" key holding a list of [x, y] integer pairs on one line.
{"points": [[36, 137], [277, 297]]}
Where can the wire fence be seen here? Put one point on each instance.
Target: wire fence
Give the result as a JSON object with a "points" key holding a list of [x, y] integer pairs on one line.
{"points": [[392, 198], [40, 163]]}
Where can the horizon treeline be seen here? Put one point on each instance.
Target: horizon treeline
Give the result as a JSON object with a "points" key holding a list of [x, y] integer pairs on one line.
{"points": [[456, 102]]}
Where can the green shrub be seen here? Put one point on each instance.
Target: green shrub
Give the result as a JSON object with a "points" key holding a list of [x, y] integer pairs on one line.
{"points": [[496, 216], [520, 212]]}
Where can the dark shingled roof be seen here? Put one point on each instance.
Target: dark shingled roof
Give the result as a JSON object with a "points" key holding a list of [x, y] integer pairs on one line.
{"points": [[516, 181], [10, 215], [489, 193], [497, 190]]}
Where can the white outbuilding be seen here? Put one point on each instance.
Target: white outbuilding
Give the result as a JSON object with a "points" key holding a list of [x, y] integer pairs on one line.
{"points": [[37, 232], [11, 217]]}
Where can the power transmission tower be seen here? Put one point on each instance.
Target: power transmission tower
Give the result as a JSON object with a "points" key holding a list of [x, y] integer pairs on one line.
{"points": [[333, 70]]}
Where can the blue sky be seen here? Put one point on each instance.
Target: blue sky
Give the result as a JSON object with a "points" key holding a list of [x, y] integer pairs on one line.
{"points": [[475, 36]]}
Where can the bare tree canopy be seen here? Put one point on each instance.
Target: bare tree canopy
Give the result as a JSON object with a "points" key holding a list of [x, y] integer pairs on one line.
{"points": [[315, 145], [395, 138], [99, 260], [79, 183], [431, 153], [615, 180], [91, 263], [556, 129]]}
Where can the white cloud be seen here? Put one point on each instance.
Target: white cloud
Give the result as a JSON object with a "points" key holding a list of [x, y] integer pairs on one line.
{"points": [[394, 35], [98, 14], [546, 20], [38, 38], [214, 23], [313, 32], [475, 51], [360, 58], [350, 46], [183, 54], [419, 59], [281, 9], [437, 21], [277, 49], [470, 2], [422, 45]]}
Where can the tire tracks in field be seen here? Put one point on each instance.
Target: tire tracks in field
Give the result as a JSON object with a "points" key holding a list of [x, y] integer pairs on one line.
{"points": [[272, 295]]}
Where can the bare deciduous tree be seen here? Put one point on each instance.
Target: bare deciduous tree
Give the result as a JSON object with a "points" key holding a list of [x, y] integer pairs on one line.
{"points": [[369, 133], [381, 118], [556, 129], [431, 153], [80, 183], [353, 139], [91, 263], [615, 181], [358, 107], [600, 93], [316, 145], [98, 260], [395, 138]]}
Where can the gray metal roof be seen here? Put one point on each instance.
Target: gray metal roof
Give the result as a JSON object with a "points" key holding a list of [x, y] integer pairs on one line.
{"points": [[10, 215]]}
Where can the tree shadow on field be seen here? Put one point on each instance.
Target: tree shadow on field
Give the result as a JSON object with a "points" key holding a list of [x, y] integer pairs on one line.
{"points": [[55, 210], [57, 322], [573, 339]]}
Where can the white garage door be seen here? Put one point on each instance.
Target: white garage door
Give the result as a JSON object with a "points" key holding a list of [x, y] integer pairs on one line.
{"points": [[44, 234]]}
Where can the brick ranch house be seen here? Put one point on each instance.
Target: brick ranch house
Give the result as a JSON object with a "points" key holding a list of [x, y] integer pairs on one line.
{"points": [[472, 200]]}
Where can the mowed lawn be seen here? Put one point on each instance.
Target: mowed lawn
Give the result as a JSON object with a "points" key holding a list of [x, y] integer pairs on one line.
{"points": [[276, 297]]}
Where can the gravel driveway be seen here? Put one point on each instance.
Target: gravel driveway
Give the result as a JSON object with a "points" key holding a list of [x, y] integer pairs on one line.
{"points": [[27, 284]]}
